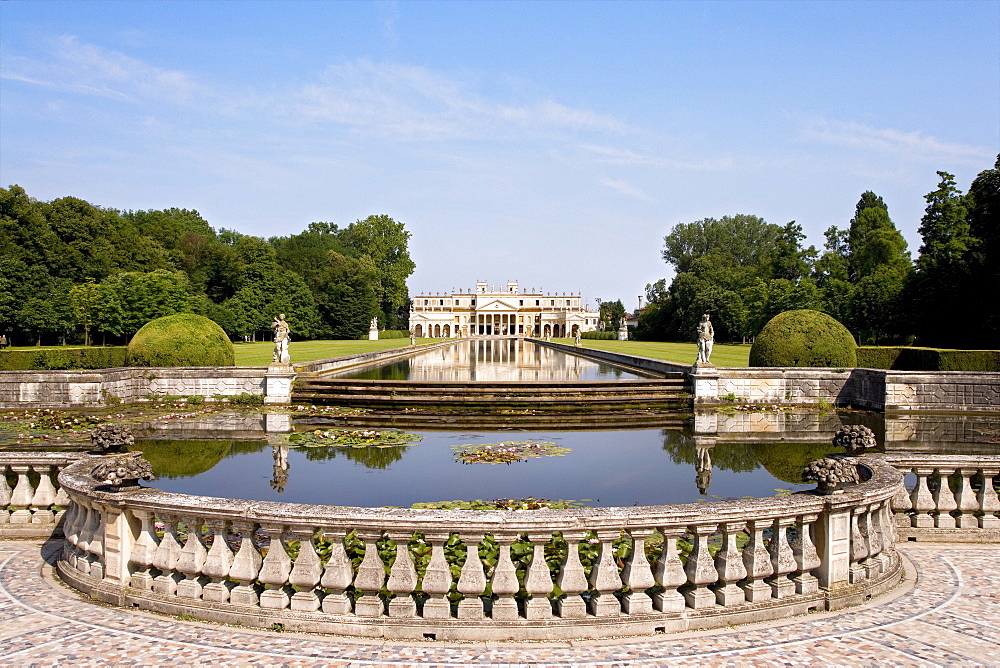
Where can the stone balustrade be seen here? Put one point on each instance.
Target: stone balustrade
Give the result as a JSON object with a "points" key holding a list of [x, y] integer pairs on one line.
{"points": [[949, 492], [484, 575], [33, 507]]}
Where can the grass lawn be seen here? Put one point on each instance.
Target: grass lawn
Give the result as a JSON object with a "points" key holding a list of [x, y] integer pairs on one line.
{"points": [[259, 354], [723, 354]]}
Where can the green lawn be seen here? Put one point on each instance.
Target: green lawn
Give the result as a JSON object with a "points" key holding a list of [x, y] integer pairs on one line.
{"points": [[259, 354], [723, 354]]}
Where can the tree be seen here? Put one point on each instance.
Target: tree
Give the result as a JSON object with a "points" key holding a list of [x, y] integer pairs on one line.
{"points": [[748, 239], [983, 260], [385, 241], [84, 299], [612, 314]]}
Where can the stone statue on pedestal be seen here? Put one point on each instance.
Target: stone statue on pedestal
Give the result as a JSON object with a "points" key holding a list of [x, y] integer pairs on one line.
{"points": [[706, 338], [281, 338]]}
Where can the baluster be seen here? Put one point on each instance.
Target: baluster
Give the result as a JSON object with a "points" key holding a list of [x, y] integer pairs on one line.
{"points": [[61, 500], [944, 500], [218, 562], [806, 557], [191, 560], [966, 501], [338, 574], [44, 497], [275, 569], [371, 576], [859, 548], [923, 500], [757, 562], [888, 534], [165, 558], [901, 504], [538, 580], [246, 566], [306, 571], [989, 503], [604, 578], [877, 540], [669, 574], [870, 565], [472, 580], [21, 498], [572, 579], [638, 576], [402, 577], [504, 583], [5, 494], [143, 551], [729, 566], [82, 561], [70, 534], [700, 568]]}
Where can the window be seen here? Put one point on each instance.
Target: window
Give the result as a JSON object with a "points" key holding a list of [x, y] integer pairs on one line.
{"points": [[520, 302], [440, 302]]}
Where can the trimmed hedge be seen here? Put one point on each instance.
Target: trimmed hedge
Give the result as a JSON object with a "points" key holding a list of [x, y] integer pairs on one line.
{"points": [[602, 336], [62, 358], [804, 338], [182, 339], [927, 359]]}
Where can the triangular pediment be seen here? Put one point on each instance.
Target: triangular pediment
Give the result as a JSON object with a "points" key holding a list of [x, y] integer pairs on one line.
{"points": [[496, 305]]}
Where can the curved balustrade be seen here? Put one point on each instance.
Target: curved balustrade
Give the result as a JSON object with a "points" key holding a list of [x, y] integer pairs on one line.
{"points": [[950, 492], [30, 503], [457, 574]]}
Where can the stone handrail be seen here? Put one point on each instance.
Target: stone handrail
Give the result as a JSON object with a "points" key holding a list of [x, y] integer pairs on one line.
{"points": [[451, 574], [32, 509], [951, 492]]}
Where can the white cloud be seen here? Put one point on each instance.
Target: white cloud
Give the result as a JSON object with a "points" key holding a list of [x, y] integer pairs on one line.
{"points": [[627, 189], [911, 145], [624, 157]]}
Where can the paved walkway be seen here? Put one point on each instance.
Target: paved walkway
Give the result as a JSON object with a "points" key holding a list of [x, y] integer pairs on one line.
{"points": [[948, 613]]}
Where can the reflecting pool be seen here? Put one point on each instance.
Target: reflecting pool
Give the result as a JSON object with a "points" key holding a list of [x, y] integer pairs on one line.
{"points": [[714, 455], [494, 360]]}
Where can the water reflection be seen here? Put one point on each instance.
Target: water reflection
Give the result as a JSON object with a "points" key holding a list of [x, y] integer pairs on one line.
{"points": [[724, 456], [501, 360]]}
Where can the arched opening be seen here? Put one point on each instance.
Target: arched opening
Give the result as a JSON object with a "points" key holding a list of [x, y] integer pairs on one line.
{"points": [[447, 331], [418, 331]]}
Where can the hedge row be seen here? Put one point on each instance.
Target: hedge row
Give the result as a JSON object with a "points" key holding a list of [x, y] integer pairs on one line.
{"points": [[62, 358], [927, 359], [603, 336], [389, 334]]}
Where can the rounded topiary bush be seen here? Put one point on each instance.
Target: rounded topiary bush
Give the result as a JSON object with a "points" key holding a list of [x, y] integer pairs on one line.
{"points": [[804, 338], [183, 339]]}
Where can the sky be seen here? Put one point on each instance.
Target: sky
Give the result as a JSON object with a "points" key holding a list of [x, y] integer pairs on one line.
{"points": [[551, 143]]}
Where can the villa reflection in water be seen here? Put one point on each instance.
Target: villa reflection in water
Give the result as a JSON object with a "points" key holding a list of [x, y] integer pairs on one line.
{"points": [[494, 359]]}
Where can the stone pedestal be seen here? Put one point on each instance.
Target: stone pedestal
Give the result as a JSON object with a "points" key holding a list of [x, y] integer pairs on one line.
{"points": [[278, 383], [705, 379], [373, 334]]}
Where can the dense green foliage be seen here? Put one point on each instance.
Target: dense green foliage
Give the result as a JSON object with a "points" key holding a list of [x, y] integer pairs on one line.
{"points": [[391, 334], [74, 272], [179, 458], [804, 338], [600, 336], [183, 339], [62, 358], [745, 271], [612, 314], [927, 359]]}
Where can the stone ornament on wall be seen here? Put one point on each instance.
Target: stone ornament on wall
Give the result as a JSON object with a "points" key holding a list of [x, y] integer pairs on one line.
{"points": [[112, 437], [855, 439], [123, 472], [830, 473]]}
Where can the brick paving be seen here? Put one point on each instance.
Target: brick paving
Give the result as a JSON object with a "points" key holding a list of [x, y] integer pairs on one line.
{"points": [[948, 613]]}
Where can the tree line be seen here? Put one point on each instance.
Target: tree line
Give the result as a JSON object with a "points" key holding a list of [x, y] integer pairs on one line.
{"points": [[744, 270], [74, 272]]}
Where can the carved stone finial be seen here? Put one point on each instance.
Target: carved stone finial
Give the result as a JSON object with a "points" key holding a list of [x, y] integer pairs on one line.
{"points": [[123, 471], [112, 437], [829, 474], [855, 438]]}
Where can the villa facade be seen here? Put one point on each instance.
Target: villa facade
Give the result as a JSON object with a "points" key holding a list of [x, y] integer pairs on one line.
{"points": [[507, 311]]}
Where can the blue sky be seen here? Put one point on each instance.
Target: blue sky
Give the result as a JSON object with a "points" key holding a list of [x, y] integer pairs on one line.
{"points": [[553, 143]]}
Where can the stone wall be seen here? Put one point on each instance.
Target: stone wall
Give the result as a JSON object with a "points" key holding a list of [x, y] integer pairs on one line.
{"points": [[645, 363], [874, 389], [66, 389]]}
